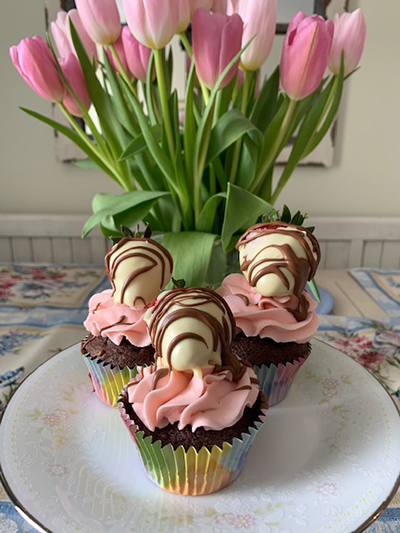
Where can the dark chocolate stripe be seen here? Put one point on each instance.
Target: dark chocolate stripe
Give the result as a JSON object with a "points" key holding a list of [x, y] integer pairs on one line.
{"points": [[180, 338], [158, 374], [222, 332], [112, 325], [302, 269], [114, 259]]}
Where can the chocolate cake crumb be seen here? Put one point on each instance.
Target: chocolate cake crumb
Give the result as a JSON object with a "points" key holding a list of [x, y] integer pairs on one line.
{"points": [[126, 354], [265, 351], [201, 437]]}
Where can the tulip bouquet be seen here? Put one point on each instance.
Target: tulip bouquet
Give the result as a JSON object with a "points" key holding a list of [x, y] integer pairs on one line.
{"points": [[203, 175]]}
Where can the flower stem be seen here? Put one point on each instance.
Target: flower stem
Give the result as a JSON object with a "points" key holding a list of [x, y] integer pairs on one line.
{"points": [[238, 146], [164, 102], [274, 152], [186, 44], [199, 171], [122, 70], [89, 143]]}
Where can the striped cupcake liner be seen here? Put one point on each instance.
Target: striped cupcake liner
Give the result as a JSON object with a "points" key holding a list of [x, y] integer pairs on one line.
{"points": [[191, 472], [108, 381], [276, 380]]}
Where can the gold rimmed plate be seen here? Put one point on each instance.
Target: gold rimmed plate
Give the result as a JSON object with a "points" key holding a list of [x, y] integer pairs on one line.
{"points": [[326, 460]]}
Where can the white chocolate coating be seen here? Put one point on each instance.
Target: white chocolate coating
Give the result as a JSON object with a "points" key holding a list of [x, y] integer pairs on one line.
{"points": [[268, 247], [188, 353], [138, 269]]}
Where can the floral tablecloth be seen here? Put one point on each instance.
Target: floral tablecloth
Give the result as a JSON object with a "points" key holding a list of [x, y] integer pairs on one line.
{"points": [[42, 308]]}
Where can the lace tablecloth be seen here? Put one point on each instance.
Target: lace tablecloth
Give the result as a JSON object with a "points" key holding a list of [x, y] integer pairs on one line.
{"points": [[42, 308]]}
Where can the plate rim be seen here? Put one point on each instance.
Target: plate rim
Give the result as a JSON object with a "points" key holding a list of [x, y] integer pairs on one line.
{"points": [[34, 522]]}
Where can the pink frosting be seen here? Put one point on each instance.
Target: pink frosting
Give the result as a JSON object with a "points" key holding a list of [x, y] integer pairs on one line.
{"points": [[267, 317], [212, 401], [103, 313]]}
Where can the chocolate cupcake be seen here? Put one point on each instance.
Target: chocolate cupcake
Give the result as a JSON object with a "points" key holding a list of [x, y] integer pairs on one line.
{"points": [[275, 316], [195, 414], [118, 340]]}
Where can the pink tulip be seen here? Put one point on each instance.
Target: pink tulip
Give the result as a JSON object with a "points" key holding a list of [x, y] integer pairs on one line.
{"points": [[101, 20], [348, 37], [35, 63], [259, 18], [119, 48], [220, 6], [305, 54], [217, 40], [73, 73], [152, 22], [61, 32], [137, 56], [184, 15], [199, 4]]}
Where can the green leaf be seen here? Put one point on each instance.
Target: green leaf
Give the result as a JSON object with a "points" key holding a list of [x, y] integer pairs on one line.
{"points": [[121, 107], [85, 164], [266, 105], [74, 137], [337, 89], [314, 289], [139, 144], [286, 214], [108, 205], [207, 215], [112, 129], [249, 159], [206, 119], [190, 127], [306, 131], [109, 121], [191, 252], [149, 91], [229, 128], [159, 156], [242, 209]]}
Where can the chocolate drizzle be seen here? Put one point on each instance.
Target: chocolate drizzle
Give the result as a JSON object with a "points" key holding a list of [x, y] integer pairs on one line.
{"points": [[302, 269], [158, 374], [116, 257], [120, 321], [189, 302]]}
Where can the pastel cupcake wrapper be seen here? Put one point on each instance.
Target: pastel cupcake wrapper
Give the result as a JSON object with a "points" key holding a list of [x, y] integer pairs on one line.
{"points": [[191, 472], [108, 381], [276, 380]]}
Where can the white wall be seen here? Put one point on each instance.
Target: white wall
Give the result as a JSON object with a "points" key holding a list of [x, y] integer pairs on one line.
{"points": [[364, 181]]}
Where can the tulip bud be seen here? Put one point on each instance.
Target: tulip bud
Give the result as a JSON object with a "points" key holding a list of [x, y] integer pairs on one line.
{"points": [[137, 56], [61, 32], [305, 54], [217, 40], [35, 63], [184, 15], [349, 38], [101, 20], [199, 4], [259, 18], [119, 49], [152, 22], [73, 73]]}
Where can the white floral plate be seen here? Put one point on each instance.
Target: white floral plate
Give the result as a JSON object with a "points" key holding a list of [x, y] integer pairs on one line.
{"points": [[327, 459]]}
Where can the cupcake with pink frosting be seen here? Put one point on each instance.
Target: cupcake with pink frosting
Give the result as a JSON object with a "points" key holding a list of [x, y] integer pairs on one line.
{"points": [[118, 340], [274, 314], [196, 412]]}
